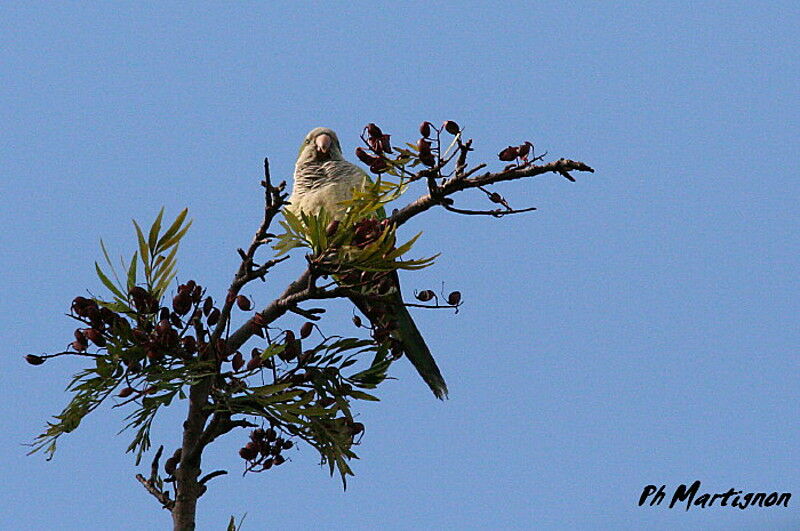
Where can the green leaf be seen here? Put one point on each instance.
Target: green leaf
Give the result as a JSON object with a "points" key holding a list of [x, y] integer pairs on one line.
{"points": [[364, 396], [175, 239], [107, 283], [152, 238], [143, 250], [172, 230], [132, 271]]}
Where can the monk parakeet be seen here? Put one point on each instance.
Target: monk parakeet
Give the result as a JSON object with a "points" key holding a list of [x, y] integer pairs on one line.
{"points": [[323, 179]]}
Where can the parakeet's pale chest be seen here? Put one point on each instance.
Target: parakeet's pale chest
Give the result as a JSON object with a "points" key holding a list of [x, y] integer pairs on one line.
{"points": [[324, 184]]}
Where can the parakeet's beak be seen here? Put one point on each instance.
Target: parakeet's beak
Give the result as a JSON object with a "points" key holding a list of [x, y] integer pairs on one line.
{"points": [[323, 143]]}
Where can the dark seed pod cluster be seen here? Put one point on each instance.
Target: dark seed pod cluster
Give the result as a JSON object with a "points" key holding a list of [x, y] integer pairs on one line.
{"points": [[264, 450]]}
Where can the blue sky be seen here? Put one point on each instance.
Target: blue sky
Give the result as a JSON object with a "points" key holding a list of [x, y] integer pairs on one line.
{"points": [[640, 327]]}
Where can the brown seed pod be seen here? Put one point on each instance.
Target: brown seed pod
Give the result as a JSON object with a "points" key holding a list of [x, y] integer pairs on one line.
{"points": [[181, 303], [189, 344], [454, 298], [279, 460], [79, 346], [213, 317], [386, 144], [364, 157], [244, 303], [287, 445], [524, 149], [208, 305], [427, 159], [247, 453], [271, 434], [126, 392], [253, 364], [378, 166], [451, 127], [238, 361], [425, 295], [171, 465], [508, 154], [356, 428], [95, 336], [423, 146], [494, 197], [425, 129], [306, 329], [33, 359], [357, 321], [374, 131], [332, 227]]}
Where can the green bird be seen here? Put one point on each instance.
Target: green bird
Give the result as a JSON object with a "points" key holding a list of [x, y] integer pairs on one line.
{"points": [[323, 179]]}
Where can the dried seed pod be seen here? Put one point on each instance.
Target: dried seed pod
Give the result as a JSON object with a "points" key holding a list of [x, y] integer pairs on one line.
{"points": [[189, 344], [508, 154], [357, 321], [379, 165], [427, 159], [306, 329], [423, 146], [386, 144], [356, 428], [494, 197], [287, 445], [279, 460], [33, 359], [208, 305], [289, 337], [454, 298], [258, 434], [181, 303], [253, 364], [451, 127], [425, 295], [238, 361], [332, 227], [271, 434], [79, 346], [524, 149], [95, 336], [374, 131], [247, 453], [244, 303], [171, 465], [126, 392], [425, 129], [213, 317], [364, 157]]}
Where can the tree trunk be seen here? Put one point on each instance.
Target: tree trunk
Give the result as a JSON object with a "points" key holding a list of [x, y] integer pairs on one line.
{"points": [[187, 488]]}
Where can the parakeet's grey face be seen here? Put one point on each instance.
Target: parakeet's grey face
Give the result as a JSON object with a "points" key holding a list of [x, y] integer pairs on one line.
{"points": [[320, 144]]}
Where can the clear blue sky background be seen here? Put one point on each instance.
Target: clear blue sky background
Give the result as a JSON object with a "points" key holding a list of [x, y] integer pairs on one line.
{"points": [[641, 327]]}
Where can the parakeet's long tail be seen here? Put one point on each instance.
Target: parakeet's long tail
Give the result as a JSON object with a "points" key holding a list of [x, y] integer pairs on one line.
{"points": [[413, 345]]}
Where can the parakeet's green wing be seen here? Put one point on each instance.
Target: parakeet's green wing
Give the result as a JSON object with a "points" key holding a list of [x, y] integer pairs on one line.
{"points": [[414, 346]]}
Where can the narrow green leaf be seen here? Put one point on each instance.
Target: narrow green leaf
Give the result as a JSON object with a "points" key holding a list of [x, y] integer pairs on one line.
{"points": [[175, 239], [143, 250], [360, 395], [107, 283], [132, 271], [152, 238], [172, 230]]}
